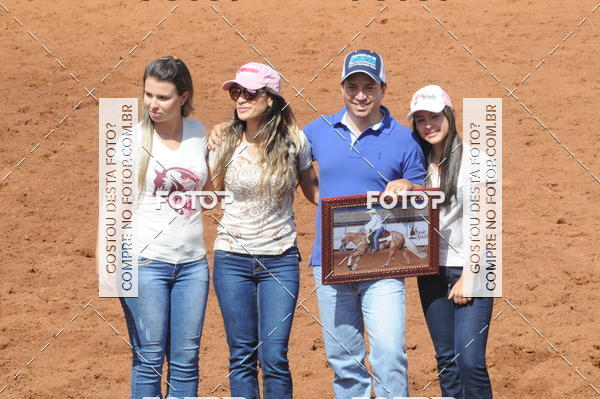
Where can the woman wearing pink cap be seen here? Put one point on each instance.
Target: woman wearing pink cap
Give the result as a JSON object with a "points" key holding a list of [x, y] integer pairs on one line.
{"points": [[453, 320], [260, 160]]}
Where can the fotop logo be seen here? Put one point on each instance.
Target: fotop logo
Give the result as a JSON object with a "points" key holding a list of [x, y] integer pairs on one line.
{"points": [[416, 199], [193, 200]]}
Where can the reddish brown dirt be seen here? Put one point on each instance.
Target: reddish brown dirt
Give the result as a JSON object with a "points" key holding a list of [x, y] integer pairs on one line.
{"points": [[375, 261], [48, 204]]}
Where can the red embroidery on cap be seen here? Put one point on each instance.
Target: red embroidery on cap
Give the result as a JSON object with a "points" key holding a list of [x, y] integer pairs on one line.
{"points": [[253, 70]]}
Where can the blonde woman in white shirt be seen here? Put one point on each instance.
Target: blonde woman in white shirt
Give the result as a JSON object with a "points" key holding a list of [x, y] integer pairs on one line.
{"points": [[166, 318], [260, 160], [453, 320]]}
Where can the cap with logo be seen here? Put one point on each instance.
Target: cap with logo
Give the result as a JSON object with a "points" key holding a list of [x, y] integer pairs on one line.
{"points": [[430, 98], [254, 76], [364, 61]]}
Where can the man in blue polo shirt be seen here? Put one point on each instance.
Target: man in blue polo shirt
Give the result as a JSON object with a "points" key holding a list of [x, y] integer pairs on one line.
{"points": [[362, 148]]}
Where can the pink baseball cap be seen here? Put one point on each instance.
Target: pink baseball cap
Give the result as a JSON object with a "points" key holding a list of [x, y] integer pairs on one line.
{"points": [[255, 76], [430, 98]]}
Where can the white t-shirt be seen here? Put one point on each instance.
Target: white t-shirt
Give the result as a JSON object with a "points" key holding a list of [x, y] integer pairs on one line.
{"points": [[255, 222], [169, 234], [451, 214]]}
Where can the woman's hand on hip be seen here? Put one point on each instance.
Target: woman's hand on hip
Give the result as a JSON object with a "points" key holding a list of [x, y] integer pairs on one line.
{"points": [[456, 294]]}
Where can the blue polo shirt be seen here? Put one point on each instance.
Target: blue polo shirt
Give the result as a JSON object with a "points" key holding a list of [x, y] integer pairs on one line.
{"points": [[384, 152]]}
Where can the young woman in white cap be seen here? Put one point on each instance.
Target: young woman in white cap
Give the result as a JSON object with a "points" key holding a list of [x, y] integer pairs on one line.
{"points": [[260, 160], [453, 320], [166, 318]]}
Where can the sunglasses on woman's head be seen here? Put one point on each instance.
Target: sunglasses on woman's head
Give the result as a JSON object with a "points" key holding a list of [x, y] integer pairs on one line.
{"points": [[248, 94]]}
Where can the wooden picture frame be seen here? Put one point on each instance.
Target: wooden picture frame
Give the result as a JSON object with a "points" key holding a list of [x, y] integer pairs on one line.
{"points": [[410, 249]]}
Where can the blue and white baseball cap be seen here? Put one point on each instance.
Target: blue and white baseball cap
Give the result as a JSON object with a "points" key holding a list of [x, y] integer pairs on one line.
{"points": [[364, 61]]}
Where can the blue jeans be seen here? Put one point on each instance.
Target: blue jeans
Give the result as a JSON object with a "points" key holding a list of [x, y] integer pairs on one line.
{"points": [[376, 236], [452, 327], [166, 319], [257, 296], [345, 309]]}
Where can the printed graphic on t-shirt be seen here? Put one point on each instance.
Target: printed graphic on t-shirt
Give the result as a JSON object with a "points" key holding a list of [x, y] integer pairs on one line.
{"points": [[178, 180]]}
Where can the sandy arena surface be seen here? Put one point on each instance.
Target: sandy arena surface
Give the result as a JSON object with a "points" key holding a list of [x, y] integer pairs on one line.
{"points": [[544, 342], [376, 261]]}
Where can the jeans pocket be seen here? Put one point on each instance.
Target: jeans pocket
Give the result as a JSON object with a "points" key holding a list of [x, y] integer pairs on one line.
{"points": [[218, 253], [143, 261], [452, 276], [292, 253]]}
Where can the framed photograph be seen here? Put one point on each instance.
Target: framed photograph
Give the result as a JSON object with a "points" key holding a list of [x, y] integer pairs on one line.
{"points": [[375, 236]]}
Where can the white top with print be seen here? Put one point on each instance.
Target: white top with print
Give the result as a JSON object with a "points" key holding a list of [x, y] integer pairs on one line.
{"points": [[256, 224], [172, 231]]}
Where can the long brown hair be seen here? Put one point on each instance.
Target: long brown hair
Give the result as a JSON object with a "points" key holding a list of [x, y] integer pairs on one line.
{"points": [[278, 150], [451, 155], [169, 69]]}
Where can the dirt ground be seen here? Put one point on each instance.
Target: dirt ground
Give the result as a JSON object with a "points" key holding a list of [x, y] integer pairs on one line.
{"points": [[59, 340], [375, 261]]}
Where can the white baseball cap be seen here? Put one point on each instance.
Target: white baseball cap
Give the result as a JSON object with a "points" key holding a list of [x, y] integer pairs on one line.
{"points": [[430, 98]]}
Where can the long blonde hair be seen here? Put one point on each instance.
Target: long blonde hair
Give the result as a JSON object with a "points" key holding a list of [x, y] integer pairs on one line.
{"points": [[278, 150], [169, 69]]}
